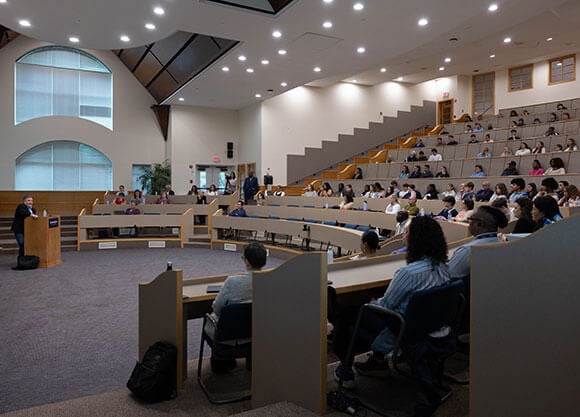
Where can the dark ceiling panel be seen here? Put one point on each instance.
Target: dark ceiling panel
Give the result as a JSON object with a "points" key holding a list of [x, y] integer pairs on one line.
{"points": [[148, 69], [263, 6], [132, 57], [167, 48], [163, 86], [194, 58]]}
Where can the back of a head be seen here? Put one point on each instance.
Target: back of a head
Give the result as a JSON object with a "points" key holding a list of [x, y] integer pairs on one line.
{"points": [[449, 199], [548, 206], [550, 183], [425, 238], [371, 239], [491, 218], [256, 255]]}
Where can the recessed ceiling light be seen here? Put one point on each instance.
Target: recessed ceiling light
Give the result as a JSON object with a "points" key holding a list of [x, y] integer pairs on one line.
{"points": [[493, 7], [447, 59], [25, 23], [327, 24], [242, 58], [549, 39], [399, 79], [358, 6], [74, 39], [258, 96], [383, 70], [423, 22], [283, 84], [317, 69], [507, 40], [277, 34], [225, 69], [2, 1], [181, 99], [492, 56], [441, 68], [265, 62], [250, 70], [159, 11], [328, 1], [124, 38], [361, 49], [354, 81], [281, 51], [150, 26]]}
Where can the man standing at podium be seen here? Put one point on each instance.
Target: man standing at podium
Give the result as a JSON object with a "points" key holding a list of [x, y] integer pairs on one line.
{"points": [[22, 212]]}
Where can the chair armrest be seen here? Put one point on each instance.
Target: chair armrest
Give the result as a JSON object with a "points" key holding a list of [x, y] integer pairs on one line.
{"points": [[391, 313]]}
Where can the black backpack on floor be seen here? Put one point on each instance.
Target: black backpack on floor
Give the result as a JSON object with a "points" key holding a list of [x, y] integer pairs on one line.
{"points": [[28, 262], [154, 378]]}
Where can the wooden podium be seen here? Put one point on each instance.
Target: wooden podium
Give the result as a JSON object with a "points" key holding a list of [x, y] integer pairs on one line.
{"points": [[42, 238]]}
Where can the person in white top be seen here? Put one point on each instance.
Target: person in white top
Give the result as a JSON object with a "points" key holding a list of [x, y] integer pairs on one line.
{"points": [[279, 192], [571, 145], [524, 149], [487, 138], [393, 206], [450, 192], [539, 148], [435, 156]]}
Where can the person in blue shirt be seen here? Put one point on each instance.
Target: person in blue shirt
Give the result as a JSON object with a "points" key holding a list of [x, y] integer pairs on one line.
{"points": [[239, 211], [545, 211], [479, 172], [518, 189]]}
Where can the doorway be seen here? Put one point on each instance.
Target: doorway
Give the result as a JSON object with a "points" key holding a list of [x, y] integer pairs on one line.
{"points": [[445, 112]]}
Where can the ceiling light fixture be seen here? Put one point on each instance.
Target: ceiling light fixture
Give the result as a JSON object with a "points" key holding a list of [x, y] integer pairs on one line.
{"points": [[74, 39], [447, 60], [549, 39], [265, 62], [358, 6], [2, 1], [327, 24], [225, 69], [277, 34], [150, 26], [383, 70], [25, 23], [283, 84], [181, 99], [423, 22], [354, 81], [317, 69], [361, 50], [493, 7], [328, 1], [281, 51], [124, 38], [399, 78], [250, 70], [242, 58], [441, 68], [258, 96], [492, 56], [507, 40], [159, 11]]}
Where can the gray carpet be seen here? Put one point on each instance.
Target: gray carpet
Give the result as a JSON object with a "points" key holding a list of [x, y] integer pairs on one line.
{"points": [[71, 330]]}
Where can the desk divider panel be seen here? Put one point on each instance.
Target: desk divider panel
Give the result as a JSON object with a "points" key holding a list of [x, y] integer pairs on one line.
{"points": [[289, 333], [161, 316], [525, 317]]}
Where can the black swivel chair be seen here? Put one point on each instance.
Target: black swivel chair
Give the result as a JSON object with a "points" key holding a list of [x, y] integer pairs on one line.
{"points": [[428, 311], [232, 339]]}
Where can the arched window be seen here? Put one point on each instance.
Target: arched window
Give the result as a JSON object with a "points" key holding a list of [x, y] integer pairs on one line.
{"points": [[63, 166], [59, 81]]}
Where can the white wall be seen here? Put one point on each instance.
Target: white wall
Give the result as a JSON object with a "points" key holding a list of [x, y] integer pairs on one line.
{"points": [[250, 148], [198, 135], [136, 138]]}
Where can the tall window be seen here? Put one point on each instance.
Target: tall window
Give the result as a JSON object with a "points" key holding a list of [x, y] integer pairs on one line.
{"points": [[59, 81], [563, 69], [63, 166], [483, 94], [521, 78]]}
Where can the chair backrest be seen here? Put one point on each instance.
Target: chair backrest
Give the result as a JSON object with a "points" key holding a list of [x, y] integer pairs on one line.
{"points": [[235, 322], [430, 310]]}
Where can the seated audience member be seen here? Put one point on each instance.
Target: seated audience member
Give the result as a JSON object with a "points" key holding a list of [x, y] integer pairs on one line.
{"points": [[427, 172], [325, 190], [366, 192], [523, 212], [478, 172], [426, 268], [551, 132], [468, 193], [536, 121], [449, 211], [545, 211], [310, 192], [565, 116], [414, 191], [558, 148], [536, 168], [489, 126], [443, 173], [485, 193], [279, 192], [163, 198], [502, 205], [450, 192], [570, 145], [340, 190], [524, 149], [466, 211], [393, 206], [380, 192], [120, 199], [403, 222], [552, 117], [133, 209], [168, 190], [435, 155], [518, 189], [431, 193], [483, 225], [416, 172], [422, 156], [473, 139], [549, 187], [468, 129], [487, 138], [395, 186], [525, 113], [510, 169], [560, 107], [513, 135], [532, 190], [521, 122], [556, 167], [562, 184], [122, 191], [514, 124], [440, 142], [138, 196], [239, 211], [200, 198], [412, 157], [412, 208], [347, 202], [357, 174], [349, 191], [539, 148], [212, 190], [500, 191], [193, 191], [238, 288], [513, 113], [419, 143], [404, 172], [477, 127], [369, 243], [571, 196], [506, 152], [485, 153], [406, 192], [451, 140]]}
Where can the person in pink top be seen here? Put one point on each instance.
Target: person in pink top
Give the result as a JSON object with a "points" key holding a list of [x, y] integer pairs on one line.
{"points": [[536, 168]]}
